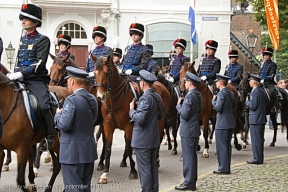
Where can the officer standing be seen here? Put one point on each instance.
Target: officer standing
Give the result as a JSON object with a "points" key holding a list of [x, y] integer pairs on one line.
{"points": [[99, 35], [234, 70], [223, 103], [64, 43], [175, 64], [76, 124], [190, 131], [145, 135], [136, 55], [152, 64], [117, 55], [210, 64], [256, 104], [31, 66]]}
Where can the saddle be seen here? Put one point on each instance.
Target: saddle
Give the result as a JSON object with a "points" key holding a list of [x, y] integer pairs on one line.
{"points": [[135, 89]]}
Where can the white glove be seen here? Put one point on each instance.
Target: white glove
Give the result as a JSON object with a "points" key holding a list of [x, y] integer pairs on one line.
{"points": [[14, 76], [119, 71], [262, 81], [91, 74], [171, 79], [229, 81], [203, 78], [128, 72]]}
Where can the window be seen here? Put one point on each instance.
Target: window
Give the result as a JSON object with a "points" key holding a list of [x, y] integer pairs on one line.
{"points": [[74, 30]]}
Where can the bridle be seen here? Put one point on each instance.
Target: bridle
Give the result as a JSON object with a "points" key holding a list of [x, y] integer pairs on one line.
{"points": [[64, 64]]}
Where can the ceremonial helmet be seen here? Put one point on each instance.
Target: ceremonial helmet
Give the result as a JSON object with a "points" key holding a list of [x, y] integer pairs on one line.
{"points": [[99, 31], [31, 12]]}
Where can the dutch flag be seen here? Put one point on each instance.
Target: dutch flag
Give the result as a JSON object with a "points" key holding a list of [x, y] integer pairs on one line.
{"points": [[191, 18]]}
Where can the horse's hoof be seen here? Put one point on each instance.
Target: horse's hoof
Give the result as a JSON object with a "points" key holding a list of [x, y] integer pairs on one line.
{"points": [[164, 143], [100, 167], [169, 147], [123, 164], [272, 144], [172, 140], [51, 169], [174, 152], [133, 176], [243, 146], [47, 160], [205, 155], [198, 147], [6, 168], [209, 141], [36, 174], [238, 147], [103, 181], [32, 188]]}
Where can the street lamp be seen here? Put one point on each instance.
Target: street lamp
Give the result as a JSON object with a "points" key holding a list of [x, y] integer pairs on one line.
{"points": [[10, 53], [251, 40]]}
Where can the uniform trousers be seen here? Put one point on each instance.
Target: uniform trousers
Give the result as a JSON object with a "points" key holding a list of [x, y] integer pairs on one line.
{"points": [[40, 90], [147, 168], [77, 177], [257, 140], [224, 149], [190, 160]]}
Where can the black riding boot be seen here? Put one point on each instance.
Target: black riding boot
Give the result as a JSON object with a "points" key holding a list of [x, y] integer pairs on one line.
{"points": [[49, 132]]}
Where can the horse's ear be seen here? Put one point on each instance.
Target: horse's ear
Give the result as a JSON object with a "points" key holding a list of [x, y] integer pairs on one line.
{"points": [[193, 63], [93, 58], [52, 56], [108, 58]]}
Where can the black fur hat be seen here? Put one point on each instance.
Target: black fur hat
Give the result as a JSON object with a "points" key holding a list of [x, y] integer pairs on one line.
{"points": [[233, 53], [99, 31], [150, 47], [64, 39], [267, 51], [118, 52], [31, 12], [211, 44], [136, 28], [180, 43]]}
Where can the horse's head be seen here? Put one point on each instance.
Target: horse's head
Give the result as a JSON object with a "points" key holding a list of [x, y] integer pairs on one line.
{"points": [[244, 86], [184, 68], [58, 69], [103, 69]]}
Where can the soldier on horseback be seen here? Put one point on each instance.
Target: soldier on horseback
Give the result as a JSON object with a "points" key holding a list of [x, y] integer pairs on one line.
{"points": [[117, 55], [210, 64], [99, 35], [267, 72], [136, 55], [31, 66], [64, 43], [234, 70], [152, 64], [175, 64]]}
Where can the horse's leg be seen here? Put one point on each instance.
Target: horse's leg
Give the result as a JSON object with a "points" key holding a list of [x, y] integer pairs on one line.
{"points": [[274, 122], [8, 161], [246, 128], [235, 131], [37, 160], [128, 150], [213, 120], [99, 131], [31, 175], [205, 135], [125, 155], [174, 125], [100, 166], [56, 169], [2, 156], [22, 156], [167, 132]]}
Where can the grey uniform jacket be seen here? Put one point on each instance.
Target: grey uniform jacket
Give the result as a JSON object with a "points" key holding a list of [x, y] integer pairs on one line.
{"points": [[224, 104], [76, 125], [148, 112], [256, 104], [189, 110]]}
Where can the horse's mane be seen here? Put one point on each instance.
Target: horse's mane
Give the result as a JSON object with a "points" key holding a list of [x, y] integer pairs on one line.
{"points": [[163, 80], [99, 63]]}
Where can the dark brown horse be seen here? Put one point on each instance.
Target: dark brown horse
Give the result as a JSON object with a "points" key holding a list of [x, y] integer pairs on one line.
{"points": [[172, 118], [207, 109], [245, 90], [19, 135], [115, 94]]}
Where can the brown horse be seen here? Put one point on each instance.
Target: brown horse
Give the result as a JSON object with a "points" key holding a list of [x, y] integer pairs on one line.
{"points": [[207, 109], [115, 94], [19, 135]]}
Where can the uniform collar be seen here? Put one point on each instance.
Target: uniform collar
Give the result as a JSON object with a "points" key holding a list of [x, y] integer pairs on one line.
{"points": [[31, 35], [78, 90], [137, 45], [148, 90], [100, 46], [210, 56], [268, 61], [233, 63], [63, 52], [180, 55]]}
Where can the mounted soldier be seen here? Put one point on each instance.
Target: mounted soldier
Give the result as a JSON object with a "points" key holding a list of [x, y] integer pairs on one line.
{"points": [[31, 66], [176, 58], [267, 72], [64, 43], [210, 64], [117, 55], [234, 70], [136, 55], [152, 64], [99, 35]]}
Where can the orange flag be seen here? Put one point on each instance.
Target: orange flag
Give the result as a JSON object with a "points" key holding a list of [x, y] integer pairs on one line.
{"points": [[272, 15]]}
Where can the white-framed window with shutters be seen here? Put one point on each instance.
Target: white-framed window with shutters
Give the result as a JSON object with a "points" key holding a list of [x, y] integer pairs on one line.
{"points": [[74, 30]]}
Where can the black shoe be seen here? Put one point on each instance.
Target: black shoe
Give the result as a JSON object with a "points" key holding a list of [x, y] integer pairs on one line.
{"points": [[47, 144], [184, 188], [221, 173], [254, 162]]}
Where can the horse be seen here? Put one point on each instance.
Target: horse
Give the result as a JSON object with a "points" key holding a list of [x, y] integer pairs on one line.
{"points": [[19, 136], [172, 117], [115, 94], [207, 109], [245, 89]]}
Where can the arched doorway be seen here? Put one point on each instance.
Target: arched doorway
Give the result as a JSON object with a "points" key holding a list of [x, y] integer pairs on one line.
{"points": [[77, 33]]}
